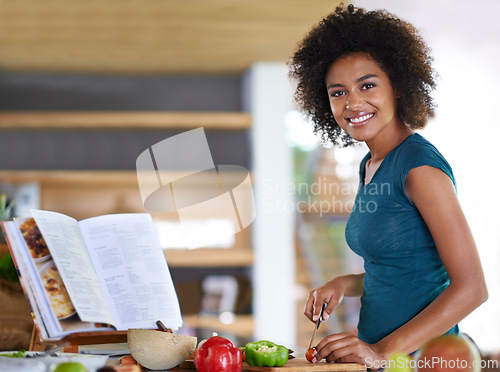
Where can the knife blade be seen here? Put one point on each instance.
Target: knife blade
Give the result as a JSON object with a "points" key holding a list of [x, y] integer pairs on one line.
{"points": [[320, 318]]}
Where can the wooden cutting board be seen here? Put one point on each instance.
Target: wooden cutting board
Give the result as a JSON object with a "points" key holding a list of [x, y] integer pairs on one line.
{"points": [[296, 364]]}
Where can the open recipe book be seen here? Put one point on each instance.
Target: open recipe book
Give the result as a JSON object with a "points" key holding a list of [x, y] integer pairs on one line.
{"points": [[102, 273]]}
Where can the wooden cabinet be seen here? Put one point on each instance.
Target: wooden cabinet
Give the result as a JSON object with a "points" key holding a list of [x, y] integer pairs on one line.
{"points": [[87, 193]]}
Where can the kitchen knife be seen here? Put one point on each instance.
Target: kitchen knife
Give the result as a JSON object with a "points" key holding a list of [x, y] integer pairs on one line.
{"points": [[320, 318]]}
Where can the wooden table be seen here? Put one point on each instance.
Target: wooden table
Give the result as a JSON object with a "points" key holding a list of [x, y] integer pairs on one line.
{"points": [[293, 365]]}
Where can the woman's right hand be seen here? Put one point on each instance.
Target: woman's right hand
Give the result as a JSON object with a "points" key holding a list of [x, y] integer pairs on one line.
{"points": [[330, 293]]}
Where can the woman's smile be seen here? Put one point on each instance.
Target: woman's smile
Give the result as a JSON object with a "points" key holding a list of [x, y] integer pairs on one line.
{"points": [[359, 120]]}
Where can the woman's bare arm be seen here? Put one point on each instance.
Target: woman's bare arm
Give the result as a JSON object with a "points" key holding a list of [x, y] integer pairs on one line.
{"points": [[432, 192]]}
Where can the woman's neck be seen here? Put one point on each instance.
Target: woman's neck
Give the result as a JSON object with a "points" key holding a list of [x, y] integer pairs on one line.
{"points": [[382, 145]]}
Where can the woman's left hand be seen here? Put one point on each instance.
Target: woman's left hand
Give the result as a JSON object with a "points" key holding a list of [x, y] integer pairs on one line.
{"points": [[347, 348]]}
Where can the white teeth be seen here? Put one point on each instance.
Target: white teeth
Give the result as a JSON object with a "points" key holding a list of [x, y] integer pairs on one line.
{"points": [[361, 118]]}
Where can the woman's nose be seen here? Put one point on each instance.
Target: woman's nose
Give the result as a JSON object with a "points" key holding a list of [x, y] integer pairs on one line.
{"points": [[353, 103]]}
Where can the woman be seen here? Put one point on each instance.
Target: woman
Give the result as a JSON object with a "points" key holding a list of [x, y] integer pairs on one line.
{"points": [[366, 77]]}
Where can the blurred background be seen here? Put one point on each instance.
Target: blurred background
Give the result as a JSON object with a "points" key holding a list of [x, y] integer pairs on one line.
{"points": [[86, 86]]}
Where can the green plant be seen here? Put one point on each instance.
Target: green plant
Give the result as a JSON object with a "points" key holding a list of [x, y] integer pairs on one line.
{"points": [[7, 268], [6, 211]]}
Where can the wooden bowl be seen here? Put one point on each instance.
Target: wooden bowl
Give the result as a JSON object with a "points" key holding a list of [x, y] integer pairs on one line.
{"points": [[156, 350]]}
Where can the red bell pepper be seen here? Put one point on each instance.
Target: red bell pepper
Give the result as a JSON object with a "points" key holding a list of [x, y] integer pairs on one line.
{"points": [[218, 354]]}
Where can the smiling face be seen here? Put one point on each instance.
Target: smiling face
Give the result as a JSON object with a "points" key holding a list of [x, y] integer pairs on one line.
{"points": [[362, 98]]}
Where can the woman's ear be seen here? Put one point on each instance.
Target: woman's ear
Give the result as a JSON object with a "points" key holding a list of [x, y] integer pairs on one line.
{"points": [[397, 95]]}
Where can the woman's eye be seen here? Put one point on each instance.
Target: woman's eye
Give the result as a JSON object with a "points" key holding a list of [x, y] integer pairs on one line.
{"points": [[368, 85], [337, 93]]}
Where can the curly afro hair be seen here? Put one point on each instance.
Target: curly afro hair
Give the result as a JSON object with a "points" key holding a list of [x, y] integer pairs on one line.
{"points": [[394, 44]]}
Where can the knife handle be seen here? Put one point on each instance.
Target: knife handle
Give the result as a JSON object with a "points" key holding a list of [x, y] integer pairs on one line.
{"points": [[320, 318]]}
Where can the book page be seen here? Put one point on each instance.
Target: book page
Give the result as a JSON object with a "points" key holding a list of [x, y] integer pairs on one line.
{"points": [[133, 270], [67, 248], [43, 316]]}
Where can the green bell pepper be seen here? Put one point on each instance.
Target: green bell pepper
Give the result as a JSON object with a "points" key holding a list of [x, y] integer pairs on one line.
{"points": [[265, 354]]}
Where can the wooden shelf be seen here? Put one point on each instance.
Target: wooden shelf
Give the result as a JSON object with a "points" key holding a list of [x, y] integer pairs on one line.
{"points": [[243, 325], [210, 257], [66, 178], [84, 178], [71, 178], [124, 120]]}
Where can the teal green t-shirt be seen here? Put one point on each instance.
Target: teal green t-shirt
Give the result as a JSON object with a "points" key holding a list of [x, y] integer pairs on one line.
{"points": [[403, 270]]}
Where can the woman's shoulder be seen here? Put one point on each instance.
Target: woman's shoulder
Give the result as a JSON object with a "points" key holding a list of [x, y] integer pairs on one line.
{"points": [[417, 151], [417, 148]]}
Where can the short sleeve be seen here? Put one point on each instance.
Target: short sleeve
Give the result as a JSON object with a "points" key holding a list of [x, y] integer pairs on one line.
{"points": [[417, 154]]}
